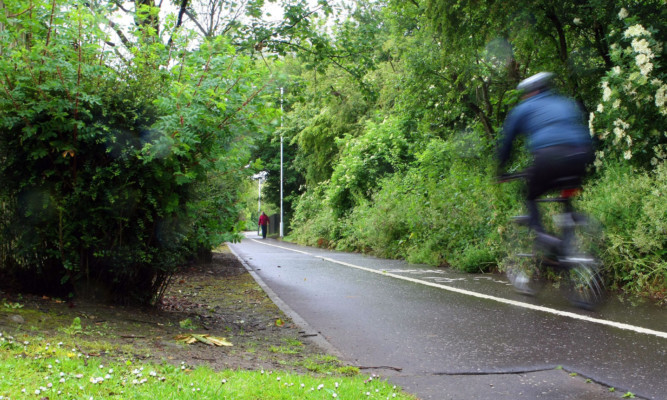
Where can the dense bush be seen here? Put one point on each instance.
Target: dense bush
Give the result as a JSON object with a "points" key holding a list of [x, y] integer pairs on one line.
{"points": [[115, 170], [440, 211], [419, 185], [630, 204]]}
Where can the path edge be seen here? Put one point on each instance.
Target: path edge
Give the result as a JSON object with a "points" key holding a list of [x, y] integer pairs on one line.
{"points": [[318, 339]]}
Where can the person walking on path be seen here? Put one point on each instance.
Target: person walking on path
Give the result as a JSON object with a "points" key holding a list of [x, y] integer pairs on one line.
{"points": [[264, 224]]}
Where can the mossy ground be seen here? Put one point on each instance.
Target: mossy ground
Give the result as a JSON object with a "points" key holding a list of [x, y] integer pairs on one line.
{"points": [[218, 298]]}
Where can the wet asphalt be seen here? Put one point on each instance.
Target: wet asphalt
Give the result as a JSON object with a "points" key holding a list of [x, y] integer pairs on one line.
{"points": [[440, 334]]}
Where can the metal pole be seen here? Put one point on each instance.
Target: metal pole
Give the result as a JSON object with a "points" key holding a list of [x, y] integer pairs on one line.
{"points": [[281, 162], [259, 201]]}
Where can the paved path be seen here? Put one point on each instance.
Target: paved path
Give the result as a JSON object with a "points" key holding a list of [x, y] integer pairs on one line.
{"points": [[445, 335]]}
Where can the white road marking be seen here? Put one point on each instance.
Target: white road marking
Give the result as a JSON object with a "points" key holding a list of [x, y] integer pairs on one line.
{"points": [[548, 310]]}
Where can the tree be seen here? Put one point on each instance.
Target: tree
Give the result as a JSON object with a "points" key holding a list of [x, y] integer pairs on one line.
{"points": [[112, 164]]}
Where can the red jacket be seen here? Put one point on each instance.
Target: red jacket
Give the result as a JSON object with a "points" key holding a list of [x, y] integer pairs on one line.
{"points": [[263, 219]]}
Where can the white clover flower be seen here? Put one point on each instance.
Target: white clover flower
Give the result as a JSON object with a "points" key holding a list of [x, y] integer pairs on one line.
{"points": [[627, 155], [623, 13], [636, 30]]}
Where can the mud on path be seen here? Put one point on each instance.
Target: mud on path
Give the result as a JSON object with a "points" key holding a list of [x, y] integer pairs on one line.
{"points": [[219, 299]]}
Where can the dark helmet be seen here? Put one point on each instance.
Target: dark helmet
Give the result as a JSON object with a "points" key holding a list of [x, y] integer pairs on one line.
{"points": [[540, 81]]}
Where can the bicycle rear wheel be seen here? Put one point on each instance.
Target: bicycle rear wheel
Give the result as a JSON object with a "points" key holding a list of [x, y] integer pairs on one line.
{"points": [[585, 288]]}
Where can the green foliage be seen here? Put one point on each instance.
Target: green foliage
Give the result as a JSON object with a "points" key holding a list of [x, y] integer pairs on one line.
{"points": [[75, 328], [630, 205], [442, 76], [117, 170], [439, 212], [631, 117], [381, 150], [26, 367]]}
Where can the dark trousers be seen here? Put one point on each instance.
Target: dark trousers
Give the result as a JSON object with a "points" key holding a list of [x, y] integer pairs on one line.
{"points": [[549, 165], [264, 228]]}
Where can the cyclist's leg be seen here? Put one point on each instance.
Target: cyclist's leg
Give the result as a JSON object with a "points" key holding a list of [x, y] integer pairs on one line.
{"points": [[546, 169], [539, 177]]}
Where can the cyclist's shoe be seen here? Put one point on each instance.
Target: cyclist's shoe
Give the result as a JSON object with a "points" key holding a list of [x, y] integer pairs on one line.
{"points": [[522, 282]]}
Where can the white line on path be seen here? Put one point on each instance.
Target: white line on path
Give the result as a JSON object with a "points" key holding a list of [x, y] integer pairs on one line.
{"points": [[618, 325]]}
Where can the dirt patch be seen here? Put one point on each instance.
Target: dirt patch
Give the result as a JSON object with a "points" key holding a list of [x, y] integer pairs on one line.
{"points": [[219, 299]]}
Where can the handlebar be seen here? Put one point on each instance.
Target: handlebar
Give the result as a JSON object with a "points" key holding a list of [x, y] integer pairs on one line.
{"points": [[511, 177]]}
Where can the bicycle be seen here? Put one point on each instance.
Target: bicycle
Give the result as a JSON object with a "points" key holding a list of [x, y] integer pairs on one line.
{"points": [[567, 258]]}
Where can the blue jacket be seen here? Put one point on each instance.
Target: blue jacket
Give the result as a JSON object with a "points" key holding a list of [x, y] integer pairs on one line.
{"points": [[548, 120]]}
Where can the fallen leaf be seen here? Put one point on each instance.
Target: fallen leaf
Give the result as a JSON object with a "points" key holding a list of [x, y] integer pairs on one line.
{"points": [[206, 339]]}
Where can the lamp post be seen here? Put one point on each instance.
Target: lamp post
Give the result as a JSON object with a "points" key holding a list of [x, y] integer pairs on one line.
{"points": [[260, 176], [281, 162], [259, 200]]}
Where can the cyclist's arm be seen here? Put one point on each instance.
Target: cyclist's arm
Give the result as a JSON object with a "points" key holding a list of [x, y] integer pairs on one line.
{"points": [[510, 130]]}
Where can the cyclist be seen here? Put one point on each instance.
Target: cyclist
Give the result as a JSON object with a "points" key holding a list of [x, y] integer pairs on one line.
{"points": [[557, 138]]}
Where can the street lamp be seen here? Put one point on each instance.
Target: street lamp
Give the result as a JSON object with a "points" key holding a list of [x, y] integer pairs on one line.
{"points": [[281, 162], [261, 176]]}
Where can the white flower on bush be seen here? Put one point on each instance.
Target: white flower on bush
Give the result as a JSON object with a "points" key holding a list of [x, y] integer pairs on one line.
{"points": [[620, 123], [616, 104], [627, 155], [577, 21], [600, 108], [642, 46], [619, 134], [616, 70], [623, 13], [636, 30], [606, 91], [660, 99], [646, 69]]}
